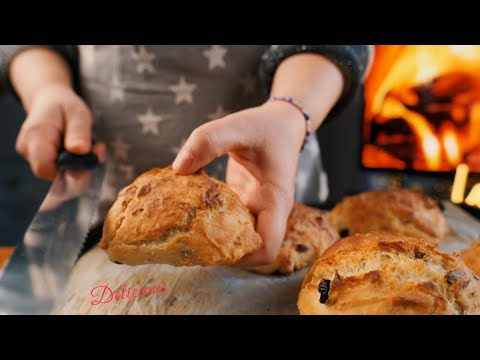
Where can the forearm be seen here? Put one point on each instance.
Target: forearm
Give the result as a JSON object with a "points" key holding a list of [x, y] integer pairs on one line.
{"points": [[311, 79], [33, 69]]}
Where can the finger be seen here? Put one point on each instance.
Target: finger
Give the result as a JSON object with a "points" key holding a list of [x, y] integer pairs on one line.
{"points": [[271, 226], [212, 140], [71, 184], [42, 152], [78, 176], [242, 183], [58, 187], [100, 149], [78, 129], [77, 183]]}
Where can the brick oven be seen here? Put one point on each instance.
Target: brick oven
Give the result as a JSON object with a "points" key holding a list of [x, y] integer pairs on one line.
{"points": [[421, 122]]}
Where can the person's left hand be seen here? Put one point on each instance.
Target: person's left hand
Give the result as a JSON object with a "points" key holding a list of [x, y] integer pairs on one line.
{"points": [[263, 144]]}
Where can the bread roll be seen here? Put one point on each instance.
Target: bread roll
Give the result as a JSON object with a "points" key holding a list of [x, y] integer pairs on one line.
{"points": [[308, 235], [166, 218], [471, 257], [401, 211], [381, 273]]}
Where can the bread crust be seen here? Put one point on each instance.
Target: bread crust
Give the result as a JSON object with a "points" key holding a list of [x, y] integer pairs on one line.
{"points": [[402, 211], [471, 257], [166, 218], [308, 235], [381, 273]]}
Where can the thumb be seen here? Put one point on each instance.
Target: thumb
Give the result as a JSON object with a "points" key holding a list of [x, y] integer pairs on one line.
{"points": [[213, 140], [78, 130], [271, 226]]}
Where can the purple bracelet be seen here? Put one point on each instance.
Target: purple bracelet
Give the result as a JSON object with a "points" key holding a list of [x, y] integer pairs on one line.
{"points": [[300, 107]]}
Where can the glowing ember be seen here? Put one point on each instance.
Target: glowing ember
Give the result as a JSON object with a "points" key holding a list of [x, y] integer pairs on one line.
{"points": [[450, 145], [473, 199], [422, 108], [459, 183]]}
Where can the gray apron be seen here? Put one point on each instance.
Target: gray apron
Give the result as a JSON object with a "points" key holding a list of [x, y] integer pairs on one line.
{"points": [[147, 99]]}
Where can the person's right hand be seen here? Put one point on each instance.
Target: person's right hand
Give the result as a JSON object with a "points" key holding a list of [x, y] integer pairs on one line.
{"points": [[57, 116]]}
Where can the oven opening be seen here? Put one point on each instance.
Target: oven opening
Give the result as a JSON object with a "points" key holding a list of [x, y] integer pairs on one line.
{"points": [[422, 108]]}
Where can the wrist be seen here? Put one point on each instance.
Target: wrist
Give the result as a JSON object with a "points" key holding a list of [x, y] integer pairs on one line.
{"points": [[289, 121], [51, 89], [35, 69]]}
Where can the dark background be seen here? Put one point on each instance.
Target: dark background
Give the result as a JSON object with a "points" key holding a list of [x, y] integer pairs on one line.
{"points": [[21, 194]]}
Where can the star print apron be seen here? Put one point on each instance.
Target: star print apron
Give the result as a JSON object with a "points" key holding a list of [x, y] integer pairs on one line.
{"points": [[147, 99]]}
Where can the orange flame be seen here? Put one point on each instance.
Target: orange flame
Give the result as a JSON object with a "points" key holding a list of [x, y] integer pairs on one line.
{"points": [[450, 145], [430, 145], [432, 94]]}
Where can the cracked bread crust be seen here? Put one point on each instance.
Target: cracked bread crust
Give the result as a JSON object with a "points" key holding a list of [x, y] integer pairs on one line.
{"points": [[401, 211], [308, 235], [380, 273], [165, 218], [471, 257]]}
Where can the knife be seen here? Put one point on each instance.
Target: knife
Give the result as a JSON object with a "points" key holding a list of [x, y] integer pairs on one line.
{"points": [[37, 272]]}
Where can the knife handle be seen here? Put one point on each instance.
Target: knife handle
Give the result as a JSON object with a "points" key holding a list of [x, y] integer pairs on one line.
{"points": [[67, 160]]}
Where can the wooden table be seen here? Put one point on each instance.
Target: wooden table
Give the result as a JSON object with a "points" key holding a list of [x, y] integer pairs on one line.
{"points": [[5, 252]]}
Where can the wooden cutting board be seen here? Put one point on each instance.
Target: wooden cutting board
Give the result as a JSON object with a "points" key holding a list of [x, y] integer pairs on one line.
{"points": [[5, 253]]}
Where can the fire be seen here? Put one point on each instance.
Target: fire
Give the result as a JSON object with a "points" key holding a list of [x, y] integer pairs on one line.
{"points": [[459, 187], [425, 133], [422, 108], [451, 146], [459, 184]]}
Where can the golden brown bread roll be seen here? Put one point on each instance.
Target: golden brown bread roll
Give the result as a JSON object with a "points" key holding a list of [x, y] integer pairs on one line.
{"points": [[402, 211], [471, 257], [308, 235], [381, 273], [167, 218]]}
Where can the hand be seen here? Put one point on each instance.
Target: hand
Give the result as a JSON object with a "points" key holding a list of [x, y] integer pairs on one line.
{"points": [[263, 145], [70, 185], [56, 115]]}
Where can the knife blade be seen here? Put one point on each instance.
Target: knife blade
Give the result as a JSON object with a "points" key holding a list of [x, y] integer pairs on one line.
{"points": [[38, 270]]}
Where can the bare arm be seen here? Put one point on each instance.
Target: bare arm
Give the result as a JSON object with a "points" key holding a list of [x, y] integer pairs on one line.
{"points": [[57, 116], [311, 79], [37, 68]]}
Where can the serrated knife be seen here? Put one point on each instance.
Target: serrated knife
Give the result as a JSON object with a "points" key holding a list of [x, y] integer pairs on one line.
{"points": [[36, 274]]}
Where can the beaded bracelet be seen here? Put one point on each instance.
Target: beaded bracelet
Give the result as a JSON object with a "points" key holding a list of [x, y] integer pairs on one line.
{"points": [[300, 107]]}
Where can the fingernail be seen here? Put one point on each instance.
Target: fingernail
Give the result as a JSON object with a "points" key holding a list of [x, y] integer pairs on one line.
{"points": [[183, 162], [100, 150], [79, 144]]}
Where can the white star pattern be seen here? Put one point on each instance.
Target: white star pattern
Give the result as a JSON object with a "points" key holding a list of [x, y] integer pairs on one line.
{"points": [[87, 55], [176, 149], [116, 91], [144, 60], [120, 148], [215, 55], [248, 83], [128, 171], [183, 91], [150, 121], [218, 114], [272, 48]]}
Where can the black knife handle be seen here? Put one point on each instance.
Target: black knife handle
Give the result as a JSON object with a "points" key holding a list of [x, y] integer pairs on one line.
{"points": [[68, 161]]}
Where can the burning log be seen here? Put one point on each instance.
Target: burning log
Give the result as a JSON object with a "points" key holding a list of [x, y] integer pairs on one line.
{"points": [[374, 157], [432, 123]]}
